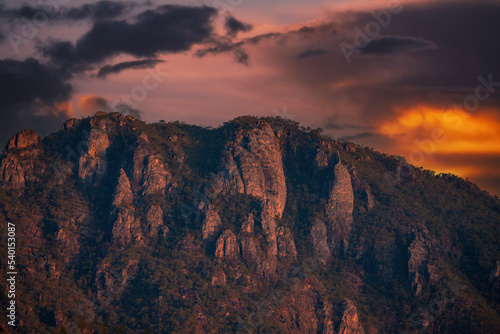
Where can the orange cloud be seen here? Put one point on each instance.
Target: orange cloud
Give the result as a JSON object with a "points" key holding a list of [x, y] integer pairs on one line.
{"points": [[89, 104], [433, 130], [449, 141], [65, 108]]}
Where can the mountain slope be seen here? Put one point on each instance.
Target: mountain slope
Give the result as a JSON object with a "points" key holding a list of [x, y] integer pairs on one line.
{"points": [[260, 225]]}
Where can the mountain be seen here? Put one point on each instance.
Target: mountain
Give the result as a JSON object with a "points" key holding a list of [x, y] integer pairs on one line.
{"points": [[257, 226]]}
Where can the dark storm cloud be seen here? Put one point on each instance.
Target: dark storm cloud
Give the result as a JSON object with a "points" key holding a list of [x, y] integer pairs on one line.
{"points": [[467, 34], [233, 26], [226, 45], [388, 45], [30, 92], [35, 94], [102, 10], [312, 52], [223, 45], [135, 64], [29, 80], [167, 29]]}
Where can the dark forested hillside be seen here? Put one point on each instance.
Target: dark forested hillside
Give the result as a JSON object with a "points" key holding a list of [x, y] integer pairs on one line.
{"points": [[258, 226]]}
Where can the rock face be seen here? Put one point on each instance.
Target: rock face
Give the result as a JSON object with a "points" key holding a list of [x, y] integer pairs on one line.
{"points": [[321, 159], [418, 266], [211, 223], [305, 309], [350, 322], [71, 231], [227, 247], [92, 163], [340, 205], [18, 160], [252, 165], [286, 244], [250, 251], [126, 228], [24, 139], [155, 176], [149, 174], [70, 123], [154, 223], [248, 224], [320, 240], [123, 194]]}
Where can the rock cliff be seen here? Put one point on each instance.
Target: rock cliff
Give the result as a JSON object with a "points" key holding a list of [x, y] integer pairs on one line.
{"points": [[19, 158], [132, 238], [340, 205], [350, 322], [252, 165], [126, 227], [92, 163], [227, 247]]}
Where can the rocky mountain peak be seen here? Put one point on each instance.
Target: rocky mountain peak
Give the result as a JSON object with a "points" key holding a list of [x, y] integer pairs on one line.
{"points": [[24, 139]]}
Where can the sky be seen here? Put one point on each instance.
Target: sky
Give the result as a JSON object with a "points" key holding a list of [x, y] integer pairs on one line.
{"points": [[420, 79]]}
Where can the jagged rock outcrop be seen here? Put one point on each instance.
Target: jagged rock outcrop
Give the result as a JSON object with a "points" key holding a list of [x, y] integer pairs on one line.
{"points": [[286, 244], [219, 279], [70, 124], [417, 253], [155, 176], [227, 247], [18, 160], [126, 227], [340, 205], [321, 159], [149, 173], [211, 223], [92, 163], [74, 225], [305, 309], [320, 240], [24, 139], [252, 165], [350, 322], [248, 224], [154, 223], [123, 194], [250, 251]]}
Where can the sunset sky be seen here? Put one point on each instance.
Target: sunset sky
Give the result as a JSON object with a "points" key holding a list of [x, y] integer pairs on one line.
{"points": [[416, 78]]}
